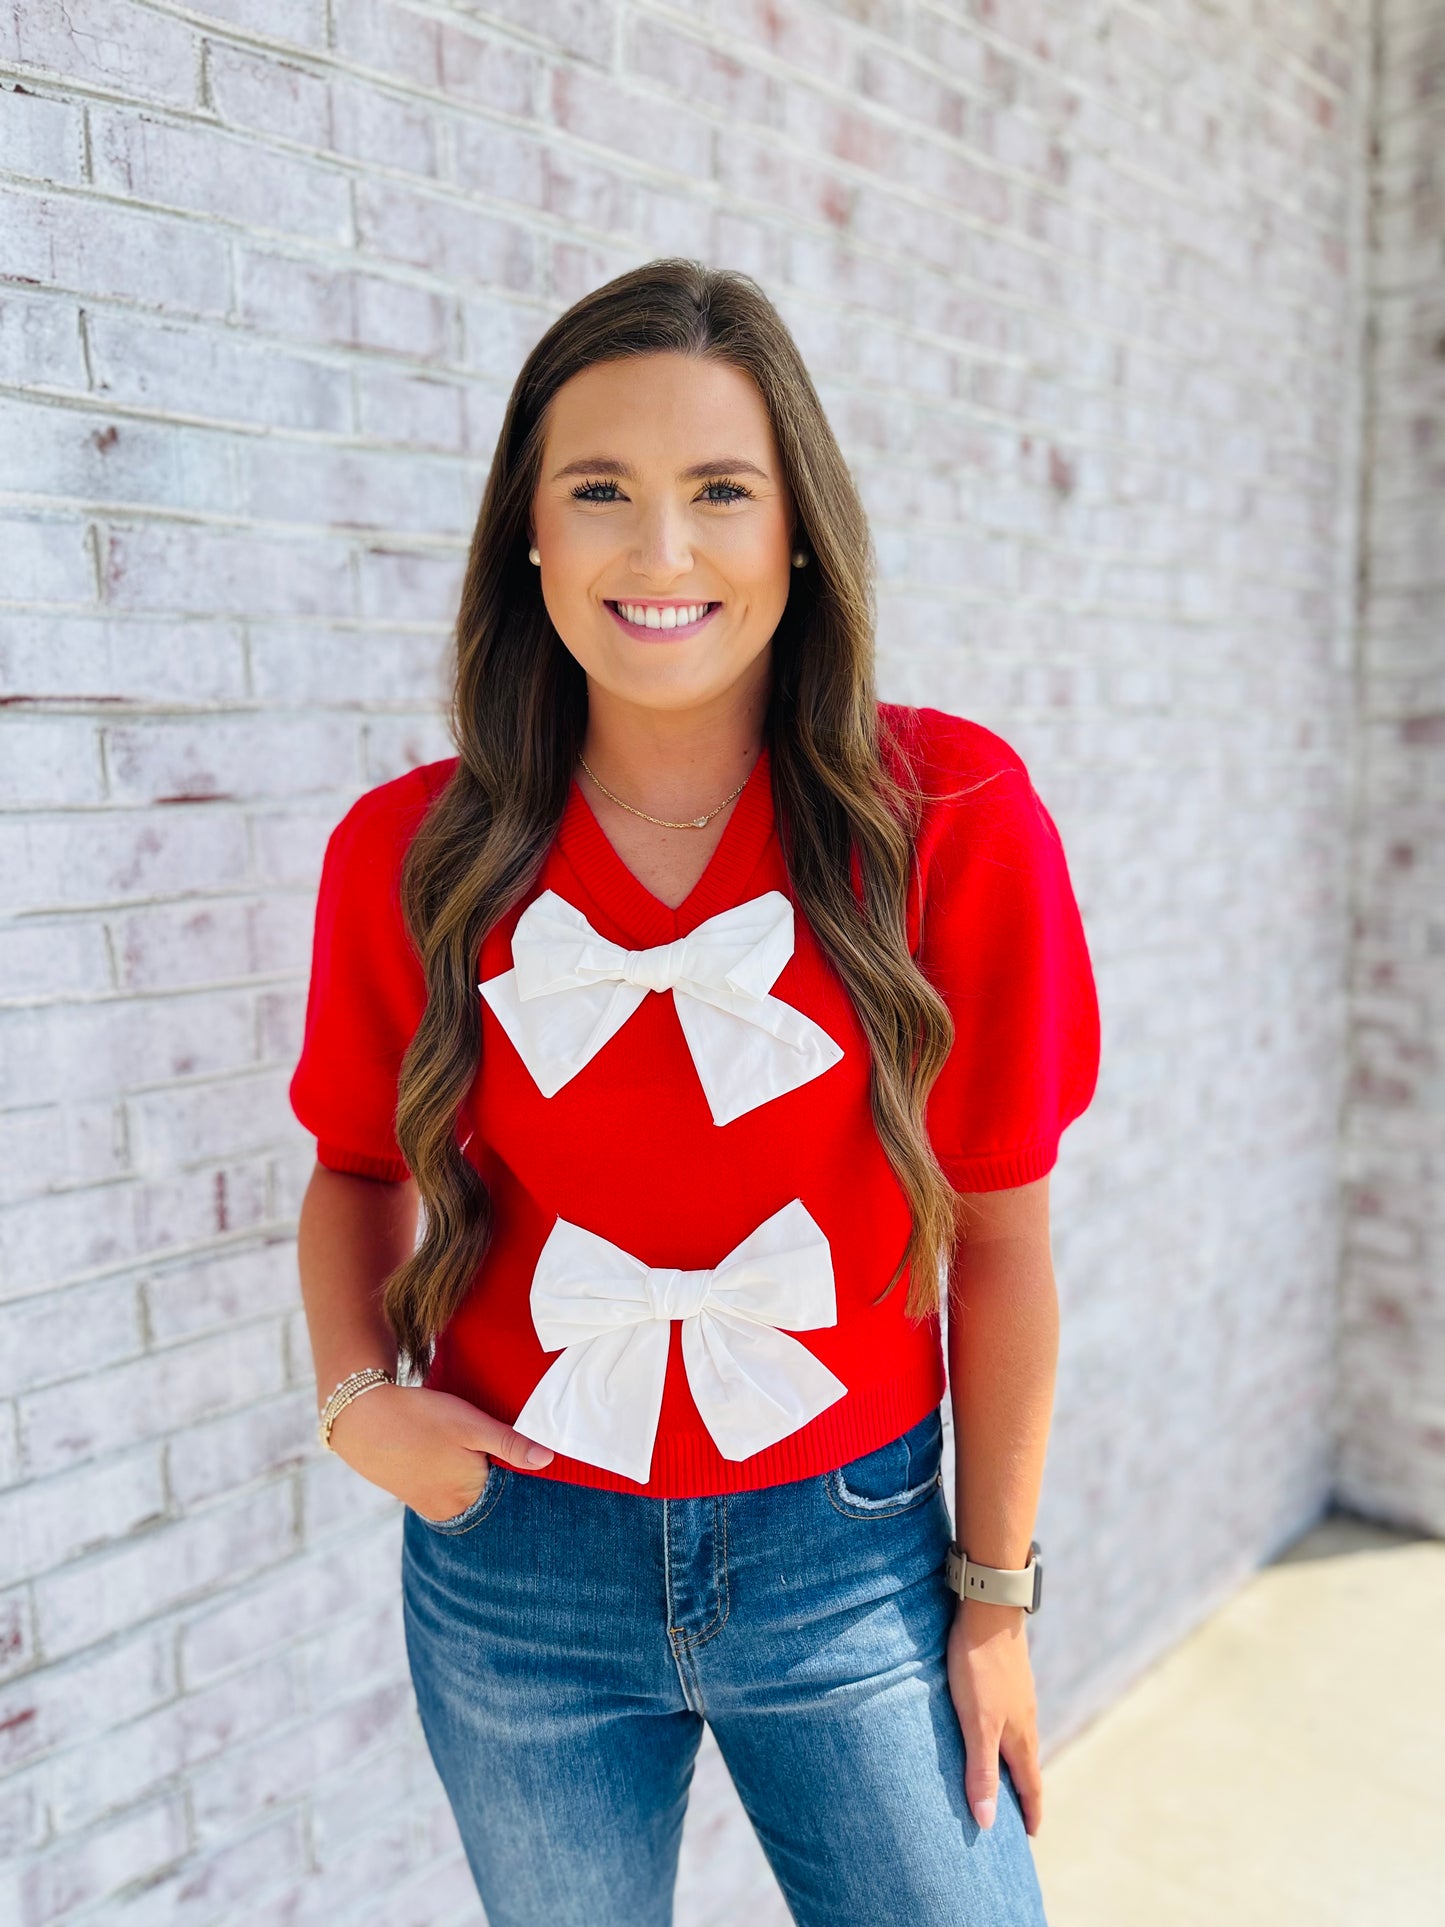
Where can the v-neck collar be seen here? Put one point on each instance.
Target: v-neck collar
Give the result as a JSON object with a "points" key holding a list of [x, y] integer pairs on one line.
{"points": [[584, 843]]}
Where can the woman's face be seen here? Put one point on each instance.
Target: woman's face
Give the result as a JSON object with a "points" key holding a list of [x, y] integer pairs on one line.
{"points": [[661, 490]]}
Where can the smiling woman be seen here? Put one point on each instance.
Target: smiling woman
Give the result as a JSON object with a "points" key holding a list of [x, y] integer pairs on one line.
{"points": [[699, 999]]}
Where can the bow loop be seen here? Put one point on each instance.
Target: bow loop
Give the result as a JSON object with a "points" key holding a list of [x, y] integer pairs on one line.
{"points": [[570, 991], [601, 1399]]}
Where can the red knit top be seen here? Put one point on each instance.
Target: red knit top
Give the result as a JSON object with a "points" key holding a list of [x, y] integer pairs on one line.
{"points": [[628, 1147]]}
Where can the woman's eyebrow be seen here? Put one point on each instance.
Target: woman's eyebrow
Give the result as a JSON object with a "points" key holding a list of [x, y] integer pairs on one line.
{"points": [[608, 465]]}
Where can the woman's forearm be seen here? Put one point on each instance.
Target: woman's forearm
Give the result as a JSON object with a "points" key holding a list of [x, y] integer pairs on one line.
{"points": [[1003, 1332], [353, 1233]]}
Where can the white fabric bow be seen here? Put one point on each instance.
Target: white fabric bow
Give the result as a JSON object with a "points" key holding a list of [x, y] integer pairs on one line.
{"points": [[753, 1385], [570, 990]]}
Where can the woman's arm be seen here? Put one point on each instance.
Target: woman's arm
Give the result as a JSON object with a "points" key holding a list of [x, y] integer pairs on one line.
{"points": [[1003, 1335], [426, 1448]]}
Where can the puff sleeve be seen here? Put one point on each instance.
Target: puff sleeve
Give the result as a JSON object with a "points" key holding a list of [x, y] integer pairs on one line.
{"points": [[367, 990], [1003, 942]]}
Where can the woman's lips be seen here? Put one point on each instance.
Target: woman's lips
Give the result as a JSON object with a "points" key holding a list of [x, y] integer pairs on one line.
{"points": [[645, 633]]}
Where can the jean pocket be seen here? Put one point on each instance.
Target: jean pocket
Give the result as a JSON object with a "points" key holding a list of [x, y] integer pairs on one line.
{"points": [[894, 1478], [473, 1515]]}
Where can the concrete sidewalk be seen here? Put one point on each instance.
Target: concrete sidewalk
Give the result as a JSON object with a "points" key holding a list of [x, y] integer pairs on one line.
{"points": [[1283, 1767]]}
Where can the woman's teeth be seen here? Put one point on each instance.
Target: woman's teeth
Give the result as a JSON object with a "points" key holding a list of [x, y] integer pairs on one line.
{"points": [[654, 618]]}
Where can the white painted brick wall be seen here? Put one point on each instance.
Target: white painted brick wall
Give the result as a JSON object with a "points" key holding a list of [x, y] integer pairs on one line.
{"points": [[1393, 1311], [1081, 285]]}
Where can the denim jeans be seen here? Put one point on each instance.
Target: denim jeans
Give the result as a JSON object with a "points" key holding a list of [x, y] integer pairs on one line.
{"points": [[567, 1643]]}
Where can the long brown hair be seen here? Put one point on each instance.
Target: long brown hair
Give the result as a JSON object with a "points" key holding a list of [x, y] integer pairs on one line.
{"points": [[518, 715]]}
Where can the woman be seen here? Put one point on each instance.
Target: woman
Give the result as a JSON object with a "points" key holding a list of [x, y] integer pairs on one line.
{"points": [[709, 1007]]}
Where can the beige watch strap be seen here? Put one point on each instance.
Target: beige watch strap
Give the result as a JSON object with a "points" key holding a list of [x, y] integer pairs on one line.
{"points": [[997, 1585]]}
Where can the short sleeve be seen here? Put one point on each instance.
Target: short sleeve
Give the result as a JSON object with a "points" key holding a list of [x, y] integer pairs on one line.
{"points": [[1003, 942], [367, 991]]}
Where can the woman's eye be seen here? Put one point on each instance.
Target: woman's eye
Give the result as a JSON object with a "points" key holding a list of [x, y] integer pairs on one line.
{"points": [[594, 492]]}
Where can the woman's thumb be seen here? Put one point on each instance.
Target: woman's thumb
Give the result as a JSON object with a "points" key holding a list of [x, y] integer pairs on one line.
{"points": [[980, 1782]]}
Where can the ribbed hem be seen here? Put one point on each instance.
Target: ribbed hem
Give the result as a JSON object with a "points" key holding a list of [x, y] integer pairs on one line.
{"points": [[691, 1467], [357, 1164], [1003, 1170]]}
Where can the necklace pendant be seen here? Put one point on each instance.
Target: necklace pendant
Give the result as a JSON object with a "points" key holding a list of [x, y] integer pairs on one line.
{"points": [[699, 822]]}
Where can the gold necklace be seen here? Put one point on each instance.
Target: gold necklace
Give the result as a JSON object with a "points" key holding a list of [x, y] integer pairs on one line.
{"points": [[692, 823]]}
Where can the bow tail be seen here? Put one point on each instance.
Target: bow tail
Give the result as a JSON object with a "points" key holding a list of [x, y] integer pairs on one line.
{"points": [[753, 1385], [748, 1056], [601, 1399]]}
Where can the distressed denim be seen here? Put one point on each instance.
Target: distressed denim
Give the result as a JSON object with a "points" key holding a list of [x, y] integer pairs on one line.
{"points": [[567, 1643]]}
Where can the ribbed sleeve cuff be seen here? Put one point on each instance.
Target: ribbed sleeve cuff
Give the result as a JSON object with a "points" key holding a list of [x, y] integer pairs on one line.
{"points": [[1001, 1170], [357, 1164]]}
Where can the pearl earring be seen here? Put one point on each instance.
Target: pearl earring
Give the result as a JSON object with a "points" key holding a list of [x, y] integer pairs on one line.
{"points": [[799, 558], [535, 555]]}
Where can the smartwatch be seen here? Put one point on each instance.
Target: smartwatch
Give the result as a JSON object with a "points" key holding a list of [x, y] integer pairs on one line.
{"points": [[997, 1585]]}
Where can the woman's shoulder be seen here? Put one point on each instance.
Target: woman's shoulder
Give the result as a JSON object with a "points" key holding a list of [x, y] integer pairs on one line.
{"points": [[947, 758], [384, 819]]}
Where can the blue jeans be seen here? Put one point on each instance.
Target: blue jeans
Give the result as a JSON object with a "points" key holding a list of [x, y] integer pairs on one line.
{"points": [[567, 1643]]}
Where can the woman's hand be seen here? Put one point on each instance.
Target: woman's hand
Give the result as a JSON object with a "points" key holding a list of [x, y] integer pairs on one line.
{"points": [[428, 1449], [992, 1683]]}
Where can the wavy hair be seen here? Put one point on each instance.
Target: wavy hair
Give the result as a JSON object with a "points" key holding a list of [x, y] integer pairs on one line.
{"points": [[846, 822]]}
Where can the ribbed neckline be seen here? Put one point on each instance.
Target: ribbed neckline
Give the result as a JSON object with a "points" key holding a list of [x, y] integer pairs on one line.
{"points": [[647, 918]]}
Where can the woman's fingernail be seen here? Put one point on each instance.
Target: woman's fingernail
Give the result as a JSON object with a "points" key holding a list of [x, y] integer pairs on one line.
{"points": [[537, 1454], [985, 1811]]}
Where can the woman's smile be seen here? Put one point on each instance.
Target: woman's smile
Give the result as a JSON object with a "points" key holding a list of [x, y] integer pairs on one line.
{"points": [[652, 621]]}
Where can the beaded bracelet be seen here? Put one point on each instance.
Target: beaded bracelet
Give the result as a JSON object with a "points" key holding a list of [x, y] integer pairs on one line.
{"points": [[348, 1389]]}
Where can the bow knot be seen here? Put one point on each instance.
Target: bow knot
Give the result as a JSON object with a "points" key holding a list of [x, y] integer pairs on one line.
{"points": [[611, 1316], [677, 1294], [569, 991], [656, 969]]}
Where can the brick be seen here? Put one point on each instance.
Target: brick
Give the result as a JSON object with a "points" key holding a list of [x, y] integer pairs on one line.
{"points": [[165, 1568], [40, 139], [121, 857], [445, 237], [101, 249], [397, 585], [68, 1334], [206, 172], [49, 761], [47, 561], [39, 342], [108, 44], [213, 373], [227, 759], [397, 744], [355, 488], [117, 659], [417, 411], [198, 572], [87, 1786], [68, 1704], [46, 1525], [302, 301], [181, 946], [232, 1790], [250, 90], [135, 1847], [222, 1120], [397, 41], [300, 22], [99, 1049], [700, 73], [609, 113], [339, 668], [43, 958], [69, 453], [17, 1641], [209, 1460], [301, 1596]]}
